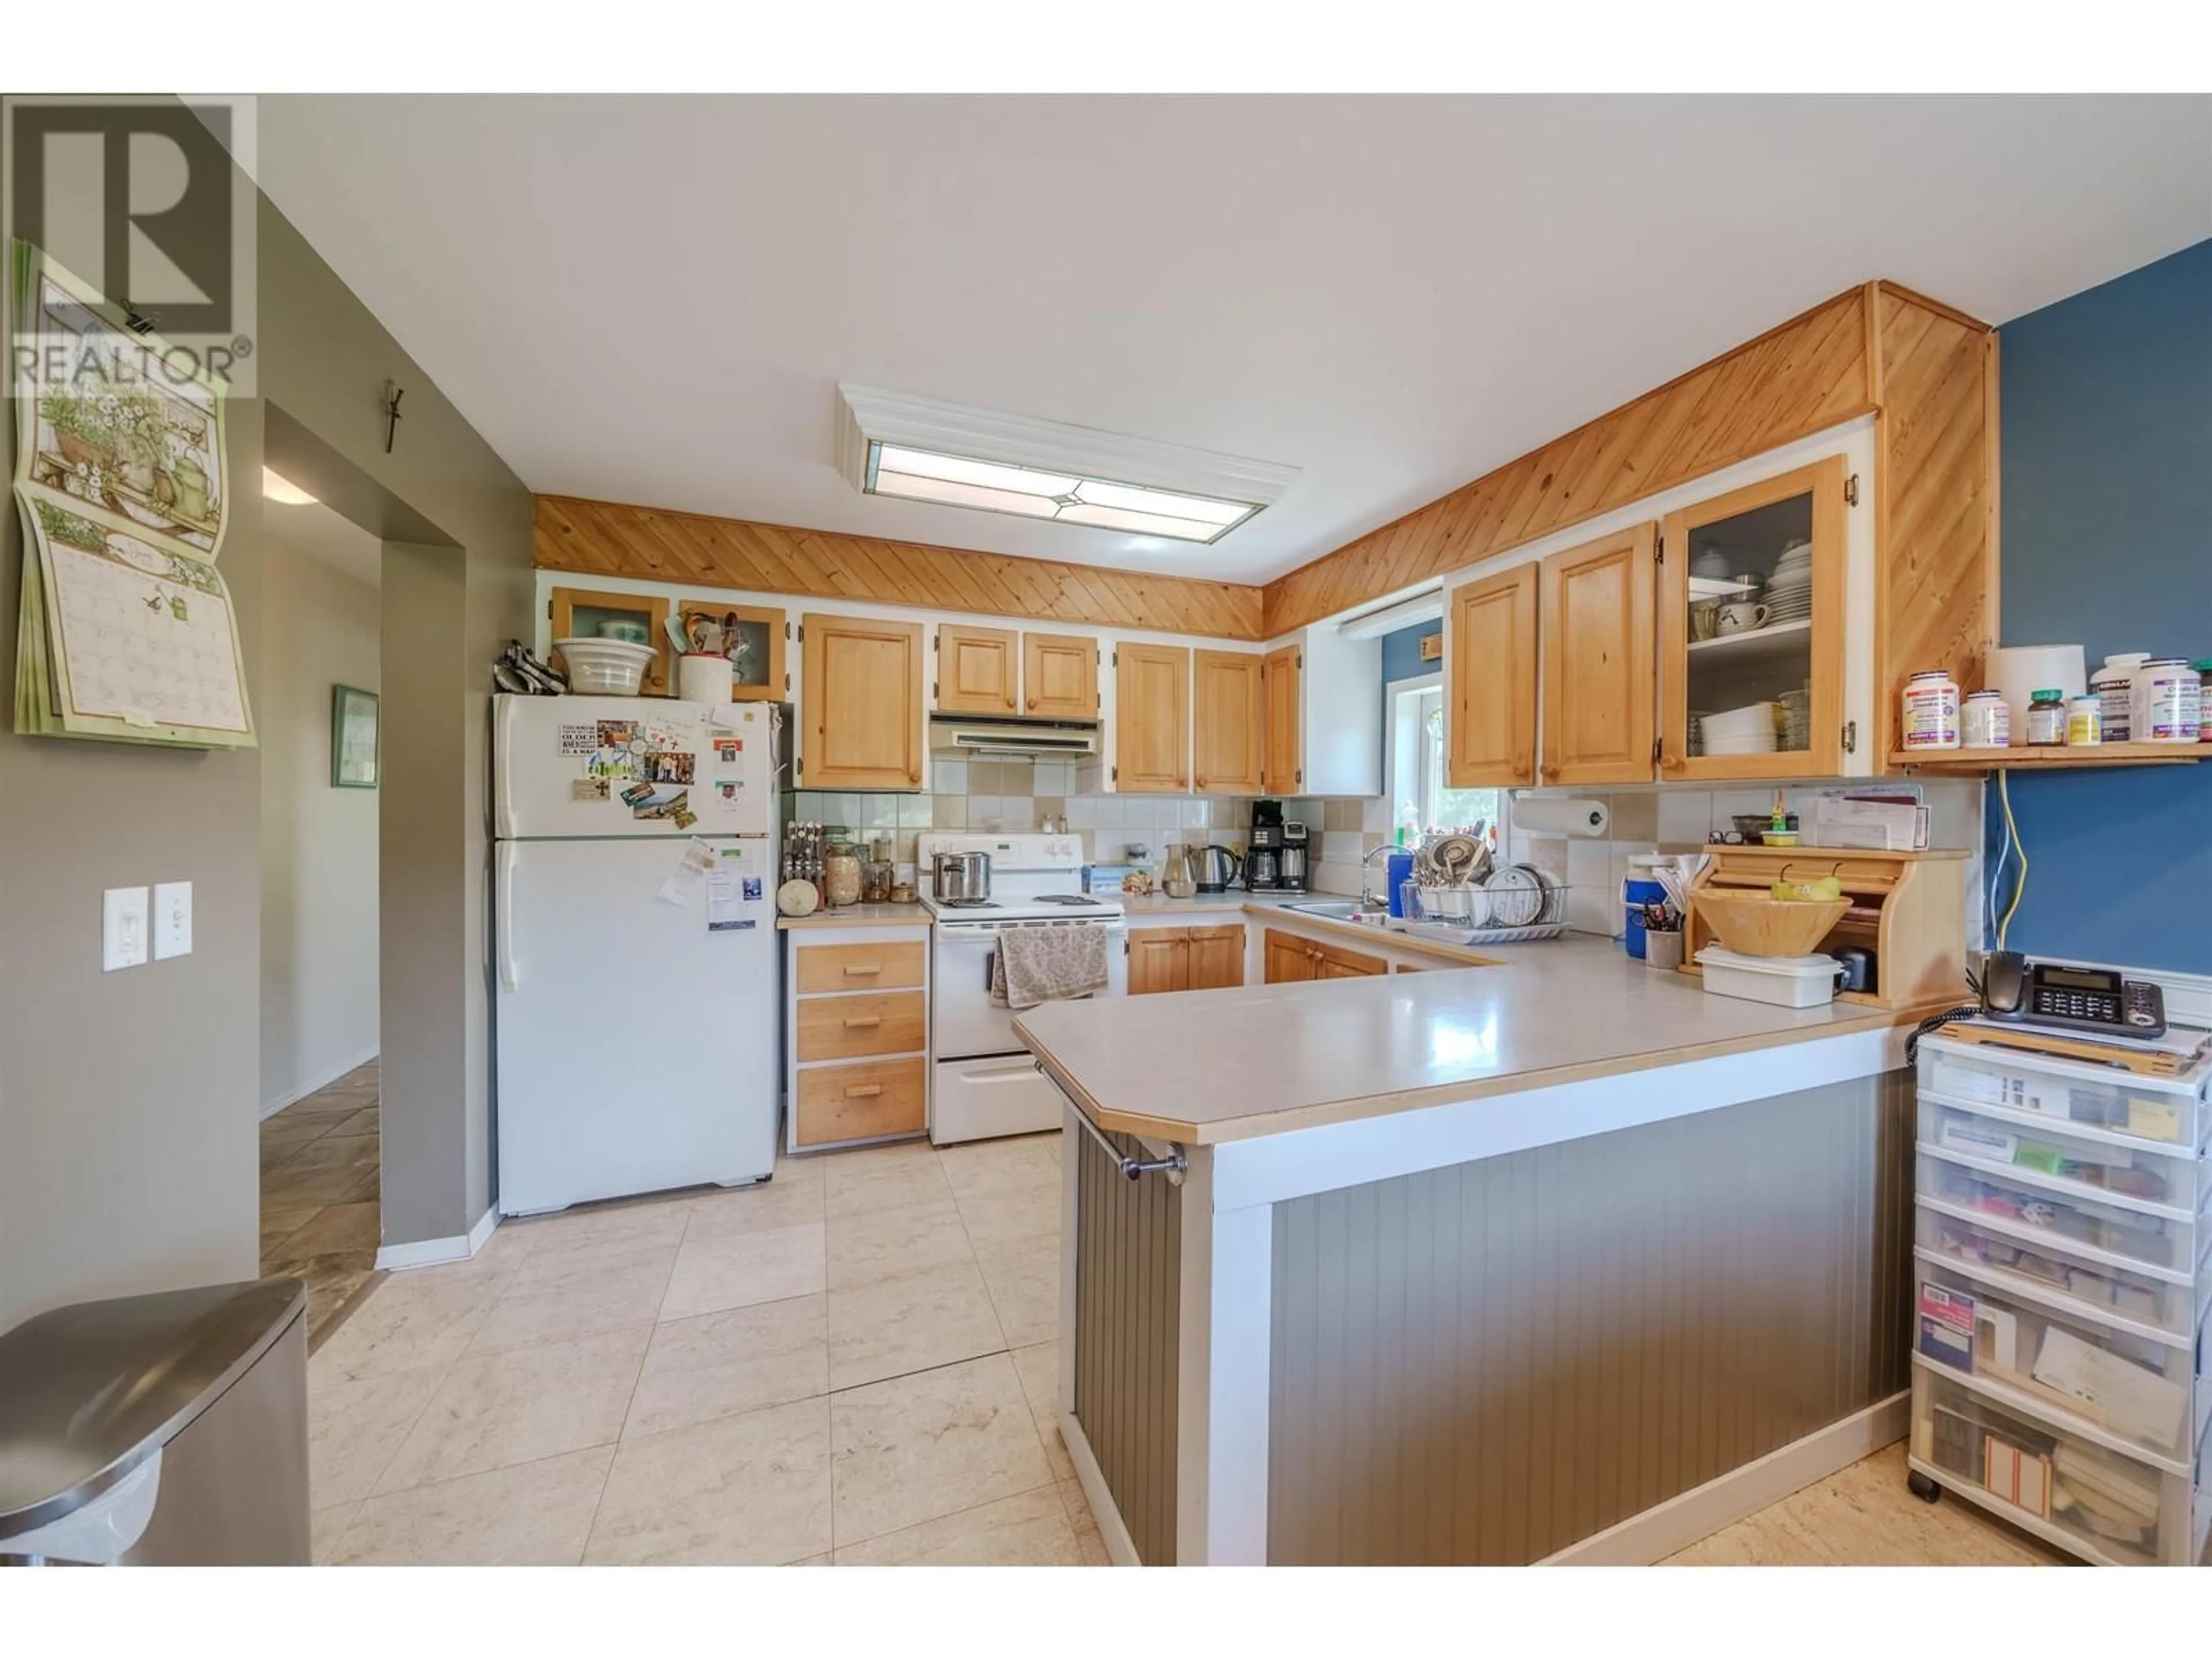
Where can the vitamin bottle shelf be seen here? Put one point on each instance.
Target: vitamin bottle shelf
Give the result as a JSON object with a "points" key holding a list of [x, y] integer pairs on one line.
{"points": [[2052, 758]]}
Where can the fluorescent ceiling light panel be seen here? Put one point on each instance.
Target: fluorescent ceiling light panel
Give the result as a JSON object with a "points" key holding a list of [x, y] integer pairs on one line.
{"points": [[888, 444]]}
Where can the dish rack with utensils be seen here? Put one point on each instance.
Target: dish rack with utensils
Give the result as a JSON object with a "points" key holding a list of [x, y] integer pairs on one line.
{"points": [[1517, 905]]}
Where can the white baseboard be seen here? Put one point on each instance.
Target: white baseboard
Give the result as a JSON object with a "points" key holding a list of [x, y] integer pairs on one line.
{"points": [[432, 1252], [1703, 1511], [1119, 1548], [271, 1107]]}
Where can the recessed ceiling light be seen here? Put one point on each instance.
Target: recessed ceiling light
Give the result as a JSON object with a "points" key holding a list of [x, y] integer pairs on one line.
{"points": [[276, 487], [891, 445]]}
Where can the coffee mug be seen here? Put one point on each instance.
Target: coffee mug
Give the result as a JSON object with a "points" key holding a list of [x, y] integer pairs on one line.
{"points": [[1739, 616], [1703, 619]]}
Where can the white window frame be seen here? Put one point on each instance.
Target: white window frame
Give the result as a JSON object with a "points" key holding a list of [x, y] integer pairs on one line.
{"points": [[1391, 690]]}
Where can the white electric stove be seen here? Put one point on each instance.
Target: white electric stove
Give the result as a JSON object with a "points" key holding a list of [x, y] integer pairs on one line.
{"points": [[982, 1081]]}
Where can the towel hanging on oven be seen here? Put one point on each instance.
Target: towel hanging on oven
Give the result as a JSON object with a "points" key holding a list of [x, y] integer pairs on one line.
{"points": [[1055, 963]]}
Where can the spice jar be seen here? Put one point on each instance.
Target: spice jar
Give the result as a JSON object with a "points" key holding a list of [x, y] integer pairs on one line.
{"points": [[876, 882], [841, 874], [2046, 717]]}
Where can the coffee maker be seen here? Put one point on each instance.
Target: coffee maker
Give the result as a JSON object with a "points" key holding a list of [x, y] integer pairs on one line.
{"points": [[1290, 871], [1263, 848]]}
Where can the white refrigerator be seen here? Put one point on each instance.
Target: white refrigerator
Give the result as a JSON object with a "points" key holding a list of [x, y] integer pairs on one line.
{"points": [[634, 947]]}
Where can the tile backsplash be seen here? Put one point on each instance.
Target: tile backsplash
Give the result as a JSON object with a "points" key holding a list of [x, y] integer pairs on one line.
{"points": [[1014, 796]]}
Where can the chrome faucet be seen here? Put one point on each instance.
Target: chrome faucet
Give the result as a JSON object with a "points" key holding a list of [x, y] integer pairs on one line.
{"points": [[1366, 867]]}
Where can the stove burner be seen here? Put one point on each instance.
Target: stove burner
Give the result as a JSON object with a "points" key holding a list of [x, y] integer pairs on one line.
{"points": [[967, 904], [1078, 901]]}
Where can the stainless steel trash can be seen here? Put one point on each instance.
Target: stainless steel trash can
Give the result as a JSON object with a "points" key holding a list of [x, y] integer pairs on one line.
{"points": [[163, 1429]]}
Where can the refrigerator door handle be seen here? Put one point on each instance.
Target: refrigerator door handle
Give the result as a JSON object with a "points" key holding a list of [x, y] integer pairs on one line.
{"points": [[503, 915], [502, 777]]}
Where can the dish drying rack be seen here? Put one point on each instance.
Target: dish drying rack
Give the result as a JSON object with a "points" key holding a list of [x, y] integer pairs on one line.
{"points": [[1500, 914]]}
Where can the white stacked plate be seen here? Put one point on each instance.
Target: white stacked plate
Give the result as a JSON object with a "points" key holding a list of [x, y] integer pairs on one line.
{"points": [[1797, 720], [1746, 731], [1790, 589]]}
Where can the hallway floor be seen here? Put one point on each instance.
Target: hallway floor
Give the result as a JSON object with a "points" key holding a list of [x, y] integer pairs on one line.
{"points": [[320, 1219], [854, 1364]]}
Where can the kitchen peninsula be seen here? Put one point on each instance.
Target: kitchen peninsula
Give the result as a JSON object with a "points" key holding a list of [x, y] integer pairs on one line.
{"points": [[1555, 1259]]}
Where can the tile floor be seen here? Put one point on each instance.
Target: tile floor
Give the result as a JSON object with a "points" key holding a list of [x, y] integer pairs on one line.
{"points": [[319, 1214], [854, 1364]]}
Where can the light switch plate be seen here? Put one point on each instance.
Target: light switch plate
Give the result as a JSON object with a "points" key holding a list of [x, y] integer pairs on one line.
{"points": [[123, 920], [172, 920]]}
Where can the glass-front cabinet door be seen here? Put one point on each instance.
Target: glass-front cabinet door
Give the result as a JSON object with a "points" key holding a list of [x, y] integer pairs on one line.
{"points": [[1751, 631]]}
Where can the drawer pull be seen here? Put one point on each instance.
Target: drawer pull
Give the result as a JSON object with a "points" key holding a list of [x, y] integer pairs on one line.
{"points": [[871, 1020], [869, 968], [863, 1090]]}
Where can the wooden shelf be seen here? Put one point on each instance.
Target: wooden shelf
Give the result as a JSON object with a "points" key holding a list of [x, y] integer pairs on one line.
{"points": [[2052, 758]]}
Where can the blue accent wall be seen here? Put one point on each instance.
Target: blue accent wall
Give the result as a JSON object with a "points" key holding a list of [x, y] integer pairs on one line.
{"points": [[1401, 653], [2106, 538]]}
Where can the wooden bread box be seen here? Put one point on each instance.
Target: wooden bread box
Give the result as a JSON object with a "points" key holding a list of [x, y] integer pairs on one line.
{"points": [[1908, 908]]}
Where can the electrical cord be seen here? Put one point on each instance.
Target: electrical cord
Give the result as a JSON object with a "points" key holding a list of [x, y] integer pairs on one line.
{"points": [[2013, 841]]}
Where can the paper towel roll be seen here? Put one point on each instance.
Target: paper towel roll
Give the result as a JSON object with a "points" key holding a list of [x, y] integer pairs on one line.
{"points": [[2019, 671], [1557, 815]]}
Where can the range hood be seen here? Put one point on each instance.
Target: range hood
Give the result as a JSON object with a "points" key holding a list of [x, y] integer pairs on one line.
{"points": [[1011, 735]]}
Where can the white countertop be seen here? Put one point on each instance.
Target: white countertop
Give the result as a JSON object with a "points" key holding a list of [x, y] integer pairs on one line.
{"points": [[1202, 1066]]}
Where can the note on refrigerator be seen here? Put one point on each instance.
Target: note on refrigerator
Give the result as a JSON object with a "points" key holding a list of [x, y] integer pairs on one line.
{"points": [[692, 866]]}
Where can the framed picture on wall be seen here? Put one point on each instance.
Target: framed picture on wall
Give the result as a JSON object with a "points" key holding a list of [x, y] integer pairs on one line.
{"points": [[353, 737]]}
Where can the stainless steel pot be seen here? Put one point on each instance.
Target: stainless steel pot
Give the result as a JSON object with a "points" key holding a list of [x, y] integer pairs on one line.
{"points": [[960, 876]]}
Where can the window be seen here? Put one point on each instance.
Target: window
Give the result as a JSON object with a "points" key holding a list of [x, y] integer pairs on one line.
{"points": [[1419, 802]]}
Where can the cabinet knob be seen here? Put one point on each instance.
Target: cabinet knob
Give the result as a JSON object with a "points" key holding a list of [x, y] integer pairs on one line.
{"points": [[1201, 783], [1032, 705], [1670, 763]]}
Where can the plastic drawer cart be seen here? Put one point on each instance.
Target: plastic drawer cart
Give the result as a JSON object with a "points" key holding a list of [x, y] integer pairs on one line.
{"points": [[2062, 1222], [168, 1430]]}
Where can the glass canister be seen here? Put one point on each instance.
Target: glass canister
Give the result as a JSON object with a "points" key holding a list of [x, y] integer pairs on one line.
{"points": [[2046, 717], [876, 880], [840, 872]]}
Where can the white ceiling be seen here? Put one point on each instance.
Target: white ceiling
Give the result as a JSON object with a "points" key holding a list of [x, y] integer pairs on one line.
{"points": [[651, 299], [324, 535]]}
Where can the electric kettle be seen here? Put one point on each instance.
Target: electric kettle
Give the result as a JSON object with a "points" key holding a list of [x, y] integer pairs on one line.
{"points": [[1216, 867]]}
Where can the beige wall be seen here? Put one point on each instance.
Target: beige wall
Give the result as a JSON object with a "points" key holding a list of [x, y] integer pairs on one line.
{"points": [[319, 886]]}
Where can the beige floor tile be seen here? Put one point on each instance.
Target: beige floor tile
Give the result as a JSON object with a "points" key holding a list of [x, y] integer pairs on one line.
{"points": [[1030, 1529], [507, 1248], [354, 1427], [934, 1318], [605, 1229], [1023, 1277], [1038, 1367], [334, 1230], [339, 1183], [779, 1203], [280, 1221], [575, 1294], [743, 1268], [882, 1178], [335, 1151], [981, 1167], [1001, 1218], [529, 1515], [821, 1560], [741, 1491], [880, 1244], [325, 1526], [496, 1409], [413, 1320], [365, 1120], [1089, 1543], [719, 1365], [916, 1447]]}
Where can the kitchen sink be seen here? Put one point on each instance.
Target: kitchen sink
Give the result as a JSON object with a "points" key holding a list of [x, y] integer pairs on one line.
{"points": [[1339, 911]]}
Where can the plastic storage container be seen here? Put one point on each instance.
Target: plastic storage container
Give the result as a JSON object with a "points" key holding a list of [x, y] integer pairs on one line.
{"points": [[2141, 1108], [1786, 981], [2091, 1164], [2168, 705], [2052, 1274]]}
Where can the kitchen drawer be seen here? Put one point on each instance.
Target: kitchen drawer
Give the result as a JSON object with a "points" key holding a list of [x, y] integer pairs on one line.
{"points": [[2023, 1203], [2051, 1275], [861, 1101], [847, 1028], [860, 967], [2144, 1108], [2117, 1507], [2084, 1162], [2133, 1392]]}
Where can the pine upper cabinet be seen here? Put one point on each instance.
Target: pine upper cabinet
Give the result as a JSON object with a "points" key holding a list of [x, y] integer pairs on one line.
{"points": [[977, 669], [1151, 719], [1283, 770], [1782, 649], [1595, 602], [1159, 960], [583, 613], [1490, 681], [1227, 732], [1060, 677], [863, 708]]}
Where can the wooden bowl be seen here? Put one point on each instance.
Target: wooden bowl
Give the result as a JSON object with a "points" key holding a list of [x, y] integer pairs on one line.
{"points": [[1760, 925]]}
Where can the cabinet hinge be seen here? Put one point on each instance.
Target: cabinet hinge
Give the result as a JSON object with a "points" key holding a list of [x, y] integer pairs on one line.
{"points": [[1117, 774], [786, 630], [1300, 661], [932, 690], [549, 611], [1658, 549], [1117, 658], [786, 682], [935, 643], [1654, 751], [1851, 737], [802, 632], [1851, 489], [798, 765]]}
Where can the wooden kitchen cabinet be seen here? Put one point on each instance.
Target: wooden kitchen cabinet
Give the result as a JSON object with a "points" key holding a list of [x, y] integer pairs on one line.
{"points": [[1490, 681], [1286, 958], [583, 613], [856, 1035], [978, 669], [1282, 768], [1334, 961], [1789, 650], [1159, 960], [1230, 722], [860, 693], [864, 1100], [1595, 604], [1151, 719], [1060, 677], [1216, 957]]}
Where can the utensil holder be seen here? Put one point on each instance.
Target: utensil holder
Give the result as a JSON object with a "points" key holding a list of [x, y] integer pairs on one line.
{"points": [[1662, 949]]}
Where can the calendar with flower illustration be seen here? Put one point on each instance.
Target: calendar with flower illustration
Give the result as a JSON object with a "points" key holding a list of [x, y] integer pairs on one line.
{"points": [[125, 631]]}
